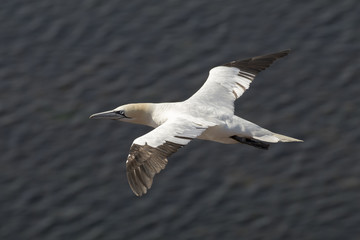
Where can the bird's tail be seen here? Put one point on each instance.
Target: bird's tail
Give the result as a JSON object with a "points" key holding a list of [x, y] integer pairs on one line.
{"points": [[283, 138]]}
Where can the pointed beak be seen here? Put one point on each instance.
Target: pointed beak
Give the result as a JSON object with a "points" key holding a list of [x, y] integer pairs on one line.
{"points": [[105, 115]]}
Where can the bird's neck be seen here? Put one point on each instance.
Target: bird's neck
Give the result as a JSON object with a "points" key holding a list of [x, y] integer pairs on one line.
{"points": [[150, 114]]}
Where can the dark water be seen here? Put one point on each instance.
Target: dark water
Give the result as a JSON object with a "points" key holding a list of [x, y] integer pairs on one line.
{"points": [[63, 176]]}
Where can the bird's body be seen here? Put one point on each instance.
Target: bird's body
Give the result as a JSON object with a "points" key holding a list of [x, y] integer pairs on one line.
{"points": [[221, 127], [207, 115]]}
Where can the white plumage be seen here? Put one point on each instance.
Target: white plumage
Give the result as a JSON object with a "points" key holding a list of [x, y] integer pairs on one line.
{"points": [[207, 115]]}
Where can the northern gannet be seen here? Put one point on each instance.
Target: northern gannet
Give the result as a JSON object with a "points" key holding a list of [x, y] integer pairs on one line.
{"points": [[207, 115]]}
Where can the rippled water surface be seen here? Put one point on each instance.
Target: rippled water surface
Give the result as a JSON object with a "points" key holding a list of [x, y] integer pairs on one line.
{"points": [[62, 176]]}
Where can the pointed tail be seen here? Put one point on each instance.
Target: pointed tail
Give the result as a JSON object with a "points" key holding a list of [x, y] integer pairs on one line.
{"points": [[283, 138]]}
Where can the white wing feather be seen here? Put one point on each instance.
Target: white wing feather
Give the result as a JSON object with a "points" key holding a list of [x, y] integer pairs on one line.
{"points": [[223, 86], [227, 83], [179, 131]]}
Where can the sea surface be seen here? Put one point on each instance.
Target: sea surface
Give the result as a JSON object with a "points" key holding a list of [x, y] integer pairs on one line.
{"points": [[62, 176]]}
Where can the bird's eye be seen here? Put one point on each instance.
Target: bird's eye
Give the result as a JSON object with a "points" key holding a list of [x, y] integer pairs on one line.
{"points": [[120, 112]]}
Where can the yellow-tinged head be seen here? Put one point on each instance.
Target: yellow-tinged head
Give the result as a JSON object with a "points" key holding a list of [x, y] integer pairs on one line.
{"points": [[140, 113]]}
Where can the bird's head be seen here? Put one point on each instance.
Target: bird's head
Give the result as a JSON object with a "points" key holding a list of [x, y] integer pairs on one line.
{"points": [[133, 113]]}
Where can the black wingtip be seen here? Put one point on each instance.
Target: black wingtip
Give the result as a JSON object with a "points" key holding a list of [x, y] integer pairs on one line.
{"points": [[287, 50], [283, 53], [257, 64], [275, 55]]}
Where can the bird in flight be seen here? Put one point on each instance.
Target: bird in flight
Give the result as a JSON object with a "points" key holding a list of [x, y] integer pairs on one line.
{"points": [[207, 115]]}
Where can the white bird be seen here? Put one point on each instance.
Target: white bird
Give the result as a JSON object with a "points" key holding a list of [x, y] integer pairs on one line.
{"points": [[207, 115]]}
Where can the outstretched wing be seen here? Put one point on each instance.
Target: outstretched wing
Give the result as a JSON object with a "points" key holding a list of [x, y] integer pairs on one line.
{"points": [[148, 153], [228, 82]]}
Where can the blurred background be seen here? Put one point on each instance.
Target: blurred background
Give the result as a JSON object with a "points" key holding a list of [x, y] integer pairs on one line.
{"points": [[62, 176]]}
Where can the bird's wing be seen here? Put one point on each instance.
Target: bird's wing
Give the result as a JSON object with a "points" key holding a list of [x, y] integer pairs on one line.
{"points": [[148, 153], [228, 82]]}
